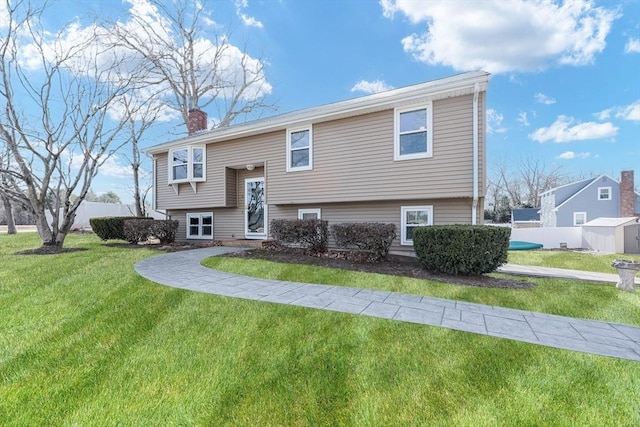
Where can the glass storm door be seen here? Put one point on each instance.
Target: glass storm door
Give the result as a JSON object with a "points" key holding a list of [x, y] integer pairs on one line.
{"points": [[254, 213]]}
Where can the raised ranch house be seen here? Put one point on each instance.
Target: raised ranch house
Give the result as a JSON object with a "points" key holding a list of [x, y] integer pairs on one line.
{"points": [[413, 156]]}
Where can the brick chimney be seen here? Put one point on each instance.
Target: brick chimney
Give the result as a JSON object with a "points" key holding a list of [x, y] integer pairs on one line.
{"points": [[627, 194], [197, 121]]}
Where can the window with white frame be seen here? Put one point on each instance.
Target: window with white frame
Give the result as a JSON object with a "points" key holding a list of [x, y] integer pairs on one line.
{"points": [[413, 133], [200, 225], [299, 149], [604, 193], [309, 214], [187, 164], [412, 217], [579, 218]]}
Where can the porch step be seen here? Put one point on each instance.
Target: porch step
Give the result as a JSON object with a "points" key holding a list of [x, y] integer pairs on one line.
{"points": [[252, 243]]}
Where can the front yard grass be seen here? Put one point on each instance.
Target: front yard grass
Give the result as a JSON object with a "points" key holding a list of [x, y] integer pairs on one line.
{"points": [[84, 340]]}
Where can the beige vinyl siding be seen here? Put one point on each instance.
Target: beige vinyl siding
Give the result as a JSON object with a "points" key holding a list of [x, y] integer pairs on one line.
{"points": [[228, 223], [445, 211], [233, 154], [353, 161], [231, 188]]}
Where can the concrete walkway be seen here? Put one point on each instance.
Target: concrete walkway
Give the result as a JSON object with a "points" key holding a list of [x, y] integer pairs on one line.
{"points": [[183, 270]]}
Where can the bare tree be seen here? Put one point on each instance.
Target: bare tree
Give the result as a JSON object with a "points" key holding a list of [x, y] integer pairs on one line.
{"points": [[56, 122], [191, 64], [5, 183], [526, 181], [140, 117]]}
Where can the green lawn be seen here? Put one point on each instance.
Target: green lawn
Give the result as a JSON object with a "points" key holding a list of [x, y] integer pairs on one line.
{"points": [[569, 259], [85, 341]]}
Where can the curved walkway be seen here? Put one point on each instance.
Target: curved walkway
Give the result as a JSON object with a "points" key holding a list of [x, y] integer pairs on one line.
{"points": [[183, 270]]}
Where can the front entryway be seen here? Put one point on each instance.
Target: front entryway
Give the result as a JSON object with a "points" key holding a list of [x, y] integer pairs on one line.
{"points": [[255, 217]]}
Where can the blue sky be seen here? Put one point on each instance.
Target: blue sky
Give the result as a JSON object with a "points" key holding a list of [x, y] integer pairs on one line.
{"points": [[565, 84]]}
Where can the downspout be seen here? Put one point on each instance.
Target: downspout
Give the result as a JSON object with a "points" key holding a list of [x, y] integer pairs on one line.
{"points": [[476, 172]]}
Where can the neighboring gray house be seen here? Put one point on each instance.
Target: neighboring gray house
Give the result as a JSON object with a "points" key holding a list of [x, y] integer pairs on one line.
{"points": [[412, 156], [579, 202]]}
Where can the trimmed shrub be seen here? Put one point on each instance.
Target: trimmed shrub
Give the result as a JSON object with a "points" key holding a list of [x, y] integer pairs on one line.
{"points": [[137, 229], [372, 237], [311, 234], [165, 230], [141, 229], [461, 249], [109, 227]]}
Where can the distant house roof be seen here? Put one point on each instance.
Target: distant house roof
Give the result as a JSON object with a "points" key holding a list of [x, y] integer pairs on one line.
{"points": [[525, 214]]}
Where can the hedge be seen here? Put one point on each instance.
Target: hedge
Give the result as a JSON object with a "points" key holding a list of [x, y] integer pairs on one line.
{"points": [[311, 234], [372, 237], [461, 249]]}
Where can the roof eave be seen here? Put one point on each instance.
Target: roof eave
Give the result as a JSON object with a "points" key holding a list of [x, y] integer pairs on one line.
{"points": [[460, 84]]}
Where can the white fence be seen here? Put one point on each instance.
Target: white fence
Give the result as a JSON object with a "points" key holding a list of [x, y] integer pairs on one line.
{"points": [[550, 237], [88, 210]]}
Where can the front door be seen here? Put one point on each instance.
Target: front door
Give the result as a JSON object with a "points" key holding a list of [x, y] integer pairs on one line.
{"points": [[255, 216]]}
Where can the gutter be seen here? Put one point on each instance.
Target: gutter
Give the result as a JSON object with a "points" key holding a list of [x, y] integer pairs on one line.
{"points": [[476, 172]]}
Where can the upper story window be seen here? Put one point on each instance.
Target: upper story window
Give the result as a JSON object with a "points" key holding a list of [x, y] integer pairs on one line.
{"points": [[604, 193], [299, 149], [413, 132], [187, 164]]}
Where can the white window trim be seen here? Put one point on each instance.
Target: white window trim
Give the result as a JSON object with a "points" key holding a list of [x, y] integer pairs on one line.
{"points": [[190, 163], [199, 215], [608, 192], [300, 168], [403, 221], [396, 132], [316, 211], [575, 218]]}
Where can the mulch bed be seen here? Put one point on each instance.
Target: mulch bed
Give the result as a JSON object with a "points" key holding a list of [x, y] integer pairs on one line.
{"points": [[395, 265]]}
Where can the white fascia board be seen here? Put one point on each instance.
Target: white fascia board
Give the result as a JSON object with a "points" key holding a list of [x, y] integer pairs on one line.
{"points": [[461, 84]]}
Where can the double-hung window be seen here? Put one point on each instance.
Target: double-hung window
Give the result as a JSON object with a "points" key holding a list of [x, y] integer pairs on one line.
{"points": [[412, 217], [579, 218], [299, 149], [309, 213], [604, 193], [200, 225], [413, 132], [187, 164]]}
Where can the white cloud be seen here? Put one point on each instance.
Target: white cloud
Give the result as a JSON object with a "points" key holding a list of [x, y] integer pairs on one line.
{"points": [[630, 112], [522, 119], [569, 155], [371, 87], [113, 169], [632, 46], [541, 98], [564, 130], [249, 21], [494, 122], [504, 36], [604, 114]]}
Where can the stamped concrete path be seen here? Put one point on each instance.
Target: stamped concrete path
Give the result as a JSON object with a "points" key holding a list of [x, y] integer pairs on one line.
{"points": [[183, 270]]}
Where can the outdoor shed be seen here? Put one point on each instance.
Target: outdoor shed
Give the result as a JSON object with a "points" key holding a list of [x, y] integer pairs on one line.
{"points": [[606, 234]]}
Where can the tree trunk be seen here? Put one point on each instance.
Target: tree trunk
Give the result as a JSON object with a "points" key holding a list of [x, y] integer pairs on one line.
{"points": [[8, 209], [140, 211]]}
